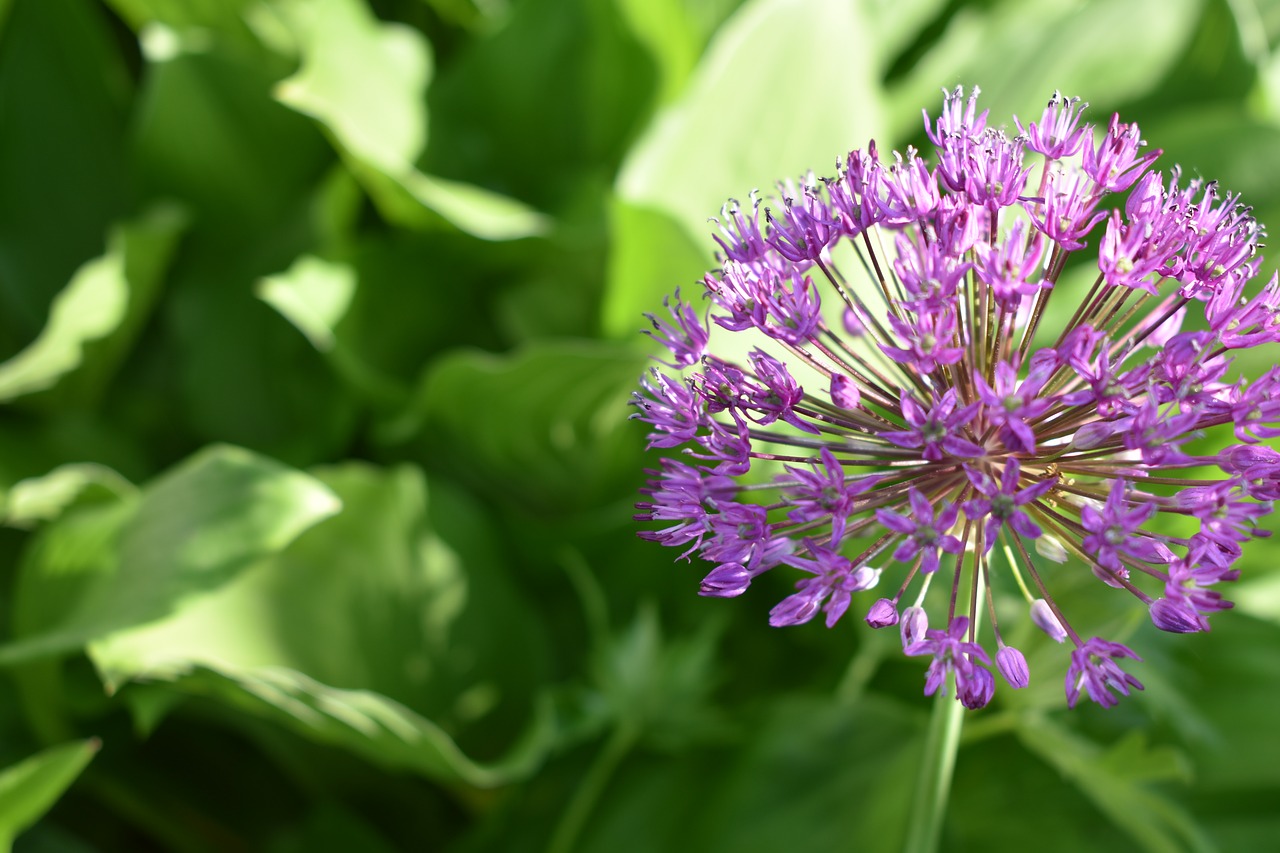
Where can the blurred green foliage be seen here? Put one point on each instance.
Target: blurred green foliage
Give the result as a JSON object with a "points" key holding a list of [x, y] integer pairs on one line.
{"points": [[319, 320]]}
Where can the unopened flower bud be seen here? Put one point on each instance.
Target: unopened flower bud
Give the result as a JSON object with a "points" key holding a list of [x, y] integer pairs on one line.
{"points": [[727, 581], [843, 392], [1050, 547], [1176, 617], [914, 625], [882, 614], [1013, 666], [1047, 621], [1091, 435]]}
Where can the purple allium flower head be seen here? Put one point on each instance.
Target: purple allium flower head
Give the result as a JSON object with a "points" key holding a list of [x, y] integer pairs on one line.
{"points": [[885, 382]]}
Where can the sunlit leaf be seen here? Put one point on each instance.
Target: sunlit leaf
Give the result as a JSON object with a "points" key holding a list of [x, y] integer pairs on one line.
{"points": [[28, 789], [63, 165], [758, 109], [370, 632], [103, 305], [366, 723], [45, 498], [366, 82], [667, 29], [130, 562], [313, 295], [1019, 53]]}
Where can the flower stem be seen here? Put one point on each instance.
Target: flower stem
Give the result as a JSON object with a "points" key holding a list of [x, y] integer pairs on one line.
{"points": [[934, 785], [938, 762], [574, 819]]}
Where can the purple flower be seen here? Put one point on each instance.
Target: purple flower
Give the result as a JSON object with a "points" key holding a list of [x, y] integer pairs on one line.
{"points": [[1059, 133], [1094, 668], [942, 396], [1012, 403], [826, 495], [1115, 530], [686, 337], [938, 433], [1002, 503], [882, 614], [925, 534], [953, 655], [835, 579]]}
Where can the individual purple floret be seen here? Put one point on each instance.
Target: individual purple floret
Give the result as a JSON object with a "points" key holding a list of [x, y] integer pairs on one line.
{"points": [[1093, 668], [884, 380]]}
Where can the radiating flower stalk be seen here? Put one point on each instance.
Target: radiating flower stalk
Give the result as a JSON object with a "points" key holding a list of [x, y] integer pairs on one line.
{"points": [[881, 383]]}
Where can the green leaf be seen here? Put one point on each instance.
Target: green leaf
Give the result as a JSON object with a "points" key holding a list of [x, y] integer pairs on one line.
{"points": [[38, 499], [757, 110], [363, 79], [1019, 53], [28, 789], [366, 82], [811, 774], [105, 305], [667, 29], [659, 688], [131, 562], [313, 295], [412, 196], [64, 164], [543, 107], [208, 132], [653, 256], [1118, 781], [373, 632], [366, 723], [546, 425]]}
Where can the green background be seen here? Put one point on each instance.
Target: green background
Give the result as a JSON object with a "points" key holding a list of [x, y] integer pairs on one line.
{"points": [[319, 319]]}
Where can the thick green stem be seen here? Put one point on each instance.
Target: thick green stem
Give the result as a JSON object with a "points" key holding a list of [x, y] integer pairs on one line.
{"points": [[575, 816], [938, 762], [934, 785]]}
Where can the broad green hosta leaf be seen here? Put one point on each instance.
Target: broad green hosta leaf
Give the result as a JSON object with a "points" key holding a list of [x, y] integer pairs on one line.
{"points": [[811, 774], [39, 499], [366, 723], [373, 631], [314, 295], [363, 79], [163, 25], [366, 82], [544, 106], [408, 197], [110, 567], [668, 30], [64, 165], [1118, 781], [30, 788], [759, 109], [104, 304], [785, 86], [545, 425], [1019, 53]]}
